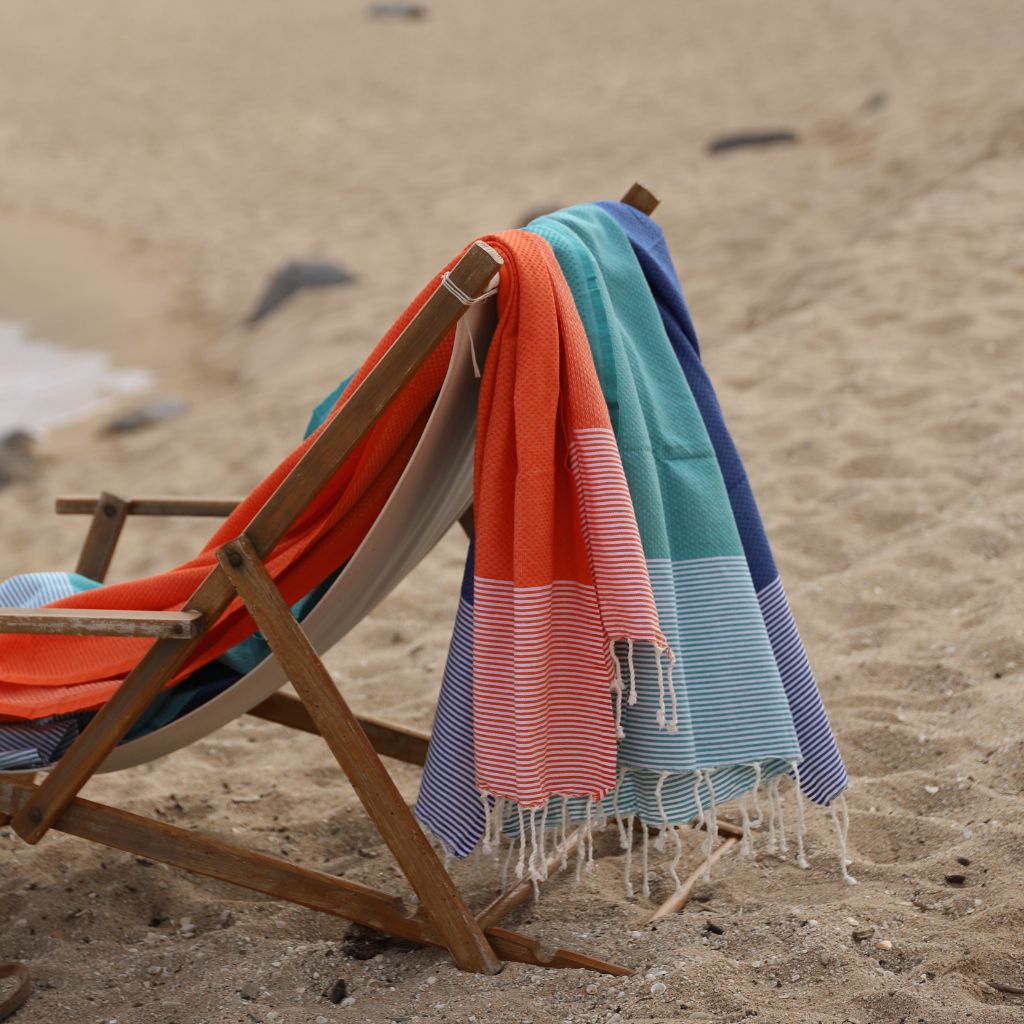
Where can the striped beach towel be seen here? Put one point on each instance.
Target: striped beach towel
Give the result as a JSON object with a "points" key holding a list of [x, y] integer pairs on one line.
{"points": [[822, 773], [718, 723]]}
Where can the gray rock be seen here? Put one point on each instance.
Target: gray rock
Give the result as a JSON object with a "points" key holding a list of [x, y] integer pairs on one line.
{"points": [[754, 140], [156, 410], [336, 991], [17, 457], [411, 12], [293, 277], [875, 102]]}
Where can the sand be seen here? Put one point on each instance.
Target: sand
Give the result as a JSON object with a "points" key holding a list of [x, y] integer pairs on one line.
{"points": [[859, 301]]}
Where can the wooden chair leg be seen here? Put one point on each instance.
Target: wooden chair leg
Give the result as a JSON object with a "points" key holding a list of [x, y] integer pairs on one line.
{"points": [[389, 739], [340, 728], [101, 540]]}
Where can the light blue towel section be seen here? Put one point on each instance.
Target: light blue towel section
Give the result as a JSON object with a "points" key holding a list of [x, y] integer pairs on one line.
{"points": [[822, 772]]}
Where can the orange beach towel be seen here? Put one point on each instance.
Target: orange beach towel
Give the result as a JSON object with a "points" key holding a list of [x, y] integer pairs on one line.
{"points": [[560, 571]]}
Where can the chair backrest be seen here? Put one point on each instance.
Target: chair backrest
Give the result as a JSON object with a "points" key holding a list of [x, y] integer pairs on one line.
{"points": [[434, 490]]}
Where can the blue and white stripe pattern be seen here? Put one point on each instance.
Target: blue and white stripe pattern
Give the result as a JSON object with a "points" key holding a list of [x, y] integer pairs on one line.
{"points": [[25, 745], [35, 589], [35, 744], [822, 772], [449, 803]]}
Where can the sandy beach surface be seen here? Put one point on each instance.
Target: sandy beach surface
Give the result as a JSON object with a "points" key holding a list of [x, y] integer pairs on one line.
{"points": [[859, 298]]}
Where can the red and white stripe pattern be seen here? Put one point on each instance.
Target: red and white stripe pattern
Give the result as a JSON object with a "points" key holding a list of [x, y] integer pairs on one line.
{"points": [[617, 561], [543, 717]]}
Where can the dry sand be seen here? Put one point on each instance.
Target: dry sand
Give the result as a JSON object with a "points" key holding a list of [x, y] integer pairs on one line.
{"points": [[859, 298]]}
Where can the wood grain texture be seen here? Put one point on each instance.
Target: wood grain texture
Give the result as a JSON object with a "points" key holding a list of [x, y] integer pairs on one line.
{"points": [[157, 506], [215, 858], [375, 788], [108, 516], [641, 199], [388, 739], [93, 622]]}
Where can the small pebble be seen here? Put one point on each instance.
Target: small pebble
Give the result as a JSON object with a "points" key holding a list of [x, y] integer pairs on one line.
{"points": [[883, 944], [658, 987], [955, 879], [337, 991]]}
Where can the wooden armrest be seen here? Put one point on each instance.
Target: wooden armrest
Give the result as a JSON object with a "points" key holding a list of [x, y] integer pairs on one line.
{"points": [[86, 505], [90, 622]]}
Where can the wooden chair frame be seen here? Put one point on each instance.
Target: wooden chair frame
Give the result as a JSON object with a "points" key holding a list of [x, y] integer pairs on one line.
{"points": [[476, 942]]}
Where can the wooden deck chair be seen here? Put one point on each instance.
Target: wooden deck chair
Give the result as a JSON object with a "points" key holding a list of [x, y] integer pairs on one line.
{"points": [[434, 491]]}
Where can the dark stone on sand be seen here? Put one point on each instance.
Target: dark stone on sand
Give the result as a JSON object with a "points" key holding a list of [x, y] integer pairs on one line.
{"points": [[753, 140], [336, 991], [413, 12], [956, 879], [362, 943], [293, 277], [156, 410], [875, 102], [17, 458]]}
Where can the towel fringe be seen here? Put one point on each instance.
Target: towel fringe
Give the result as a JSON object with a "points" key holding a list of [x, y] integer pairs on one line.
{"points": [[632, 672], [697, 776], [661, 717], [521, 863], [842, 831], [711, 825], [646, 886], [776, 794], [564, 842], [617, 689], [801, 827], [659, 843], [673, 868], [755, 799], [508, 863], [628, 843], [747, 842]]}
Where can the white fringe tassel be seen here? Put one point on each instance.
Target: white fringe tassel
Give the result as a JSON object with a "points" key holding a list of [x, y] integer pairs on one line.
{"points": [[629, 858], [711, 825], [801, 830], [842, 831]]}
